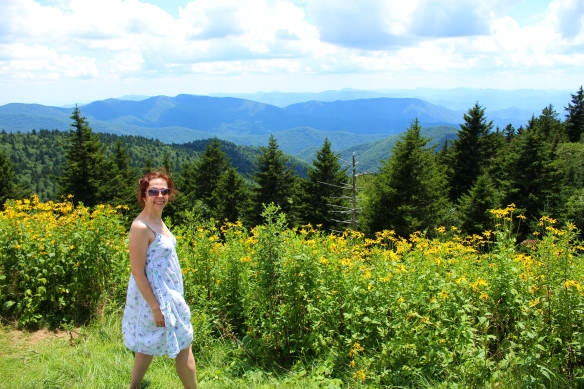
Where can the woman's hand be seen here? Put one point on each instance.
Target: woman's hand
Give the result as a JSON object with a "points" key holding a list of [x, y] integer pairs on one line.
{"points": [[158, 317]]}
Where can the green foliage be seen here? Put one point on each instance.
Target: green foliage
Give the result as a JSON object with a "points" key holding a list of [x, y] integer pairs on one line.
{"points": [[322, 202], [472, 150], [274, 181], [409, 193], [531, 175], [388, 311], [208, 171], [212, 186], [37, 158], [231, 196], [119, 188], [575, 116], [392, 311], [58, 262], [474, 205], [84, 170], [8, 186]]}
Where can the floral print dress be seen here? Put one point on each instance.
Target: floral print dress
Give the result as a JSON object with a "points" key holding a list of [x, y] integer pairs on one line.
{"points": [[163, 272]]}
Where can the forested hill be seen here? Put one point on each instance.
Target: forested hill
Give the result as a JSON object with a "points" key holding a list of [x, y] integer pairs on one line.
{"points": [[38, 156]]}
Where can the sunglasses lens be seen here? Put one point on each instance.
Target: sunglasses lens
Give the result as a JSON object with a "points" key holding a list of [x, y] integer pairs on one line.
{"points": [[154, 192]]}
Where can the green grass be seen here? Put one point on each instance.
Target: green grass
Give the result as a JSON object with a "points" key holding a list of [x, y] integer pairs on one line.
{"points": [[96, 358]]}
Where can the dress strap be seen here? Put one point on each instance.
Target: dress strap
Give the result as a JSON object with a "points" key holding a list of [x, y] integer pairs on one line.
{"points": [[147, 225]]}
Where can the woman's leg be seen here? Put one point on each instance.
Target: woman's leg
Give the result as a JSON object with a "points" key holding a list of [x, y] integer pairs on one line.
{"points": [[141, 363], [186, 368]]}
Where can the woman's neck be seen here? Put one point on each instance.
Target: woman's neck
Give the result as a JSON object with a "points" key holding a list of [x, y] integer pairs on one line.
{"points": [[152, 215]]}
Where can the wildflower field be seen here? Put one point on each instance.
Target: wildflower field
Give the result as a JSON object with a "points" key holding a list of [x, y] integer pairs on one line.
{"points": [[434, 310]]}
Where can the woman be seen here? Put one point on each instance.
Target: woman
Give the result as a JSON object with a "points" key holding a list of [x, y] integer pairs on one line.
{"points": [[157, 320]]}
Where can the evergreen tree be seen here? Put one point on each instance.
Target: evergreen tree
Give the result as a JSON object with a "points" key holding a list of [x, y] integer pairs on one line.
{"points": [[166, 162], [473, 206], [324, 188], [409, 194], [274, 181], [231, 196], [8, 186], [509, 132], [121, 186], [471, 151], [84, 171], [575, 117], [548, 124], [207, 172], [148, 165], [569, 163], [531, 178], [186, 182]]}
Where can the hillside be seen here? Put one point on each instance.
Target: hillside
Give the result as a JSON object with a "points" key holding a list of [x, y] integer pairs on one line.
{"points": [[37, 156], [370, 155]]}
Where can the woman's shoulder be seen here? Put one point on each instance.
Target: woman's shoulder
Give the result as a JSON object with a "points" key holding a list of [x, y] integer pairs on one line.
{"points": [[140, 227]]}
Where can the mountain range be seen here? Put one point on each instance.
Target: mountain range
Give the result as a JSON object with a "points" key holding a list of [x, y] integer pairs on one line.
{"points": [[368, 126]]}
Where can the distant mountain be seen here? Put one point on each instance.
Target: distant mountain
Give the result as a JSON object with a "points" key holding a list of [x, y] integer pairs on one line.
{"points": [[186, 118], [371, 116], [300, 128], [133, 97], [25, 117], [456, 99], [370, 155], [515, 106]]}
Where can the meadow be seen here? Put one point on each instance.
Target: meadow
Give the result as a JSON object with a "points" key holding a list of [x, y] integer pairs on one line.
{"points": [[299, 307]]}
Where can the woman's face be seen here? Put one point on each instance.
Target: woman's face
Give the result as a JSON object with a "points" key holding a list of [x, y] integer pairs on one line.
{"points": [[157, 193]]}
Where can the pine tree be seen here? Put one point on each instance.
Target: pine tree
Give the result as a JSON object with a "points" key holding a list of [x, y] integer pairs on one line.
{"points": [[473, 206], [324, 188], [509, 132], [208, 170], [409, 194], [8, 186], [548, 124], [274, 181], [231, 196], [471, 151], [575, 117], [166, 162], [530, 175], [84, 171], [120, 188]]}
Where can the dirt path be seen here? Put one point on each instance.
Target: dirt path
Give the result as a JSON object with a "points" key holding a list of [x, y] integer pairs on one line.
{"points": [[13, 341]]}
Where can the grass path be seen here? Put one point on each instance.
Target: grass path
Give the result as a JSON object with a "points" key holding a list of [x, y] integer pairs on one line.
{"points": [[95, 357]]}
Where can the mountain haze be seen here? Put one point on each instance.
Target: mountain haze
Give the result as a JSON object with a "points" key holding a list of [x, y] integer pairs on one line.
{"points": [[185, 118]]}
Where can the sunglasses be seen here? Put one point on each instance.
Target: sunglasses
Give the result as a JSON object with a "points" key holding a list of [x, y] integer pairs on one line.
{"points": [[155, 192]]}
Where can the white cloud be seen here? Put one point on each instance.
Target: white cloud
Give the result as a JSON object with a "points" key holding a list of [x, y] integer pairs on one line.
{"points": [[126, 63], [41, 62], [567, 17], [433, 40]]}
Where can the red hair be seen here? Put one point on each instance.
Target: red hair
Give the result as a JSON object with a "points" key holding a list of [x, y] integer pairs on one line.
{"points": [[144, 183]]}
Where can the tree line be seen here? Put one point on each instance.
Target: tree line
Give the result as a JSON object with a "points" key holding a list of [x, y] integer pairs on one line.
{"points": [[538, 167]]}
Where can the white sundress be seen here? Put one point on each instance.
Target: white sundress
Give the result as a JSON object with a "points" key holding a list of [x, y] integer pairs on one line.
{"points": [[164, 275]]}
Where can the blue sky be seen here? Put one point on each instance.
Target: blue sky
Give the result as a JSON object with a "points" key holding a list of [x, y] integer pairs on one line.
{"points": [[67, 51]]}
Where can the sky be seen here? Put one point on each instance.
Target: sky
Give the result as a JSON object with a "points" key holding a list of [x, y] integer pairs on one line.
{"points": [[58, 52]]}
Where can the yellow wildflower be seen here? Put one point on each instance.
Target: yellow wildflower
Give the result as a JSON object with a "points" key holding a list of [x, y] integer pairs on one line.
{"points": [[575, 284], [360, 375]]}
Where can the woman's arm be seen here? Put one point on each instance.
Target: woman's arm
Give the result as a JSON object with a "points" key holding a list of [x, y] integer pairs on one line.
{"points": [[139, 241]]}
